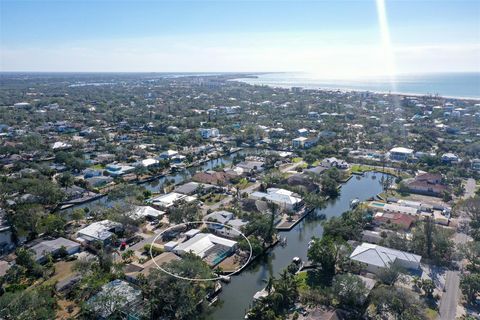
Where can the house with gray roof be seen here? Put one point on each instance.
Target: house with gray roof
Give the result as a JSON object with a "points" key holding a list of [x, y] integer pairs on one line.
{"points": [[53, 247], [377, 258]]}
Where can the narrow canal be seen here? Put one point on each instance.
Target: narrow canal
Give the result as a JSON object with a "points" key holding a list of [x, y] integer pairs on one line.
{"points": [[236, 297], [156, 186]]}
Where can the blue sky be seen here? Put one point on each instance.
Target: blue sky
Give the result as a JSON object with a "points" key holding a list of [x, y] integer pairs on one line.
{"points": [[330, 38]]}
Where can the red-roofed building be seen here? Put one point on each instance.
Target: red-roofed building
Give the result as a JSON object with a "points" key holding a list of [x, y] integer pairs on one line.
{"points": [[428, 184], [403, 221], [434, 178], [212, 177]]}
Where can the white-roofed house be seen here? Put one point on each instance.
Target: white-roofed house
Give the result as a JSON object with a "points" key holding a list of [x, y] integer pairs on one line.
{"points": [[165, 201], [147, 162], [225, 218], [285, 199], [450, 158], [211, 248], [395, 208], [299, 142], [166, 155], [377, 258], [401, 154], [99, 231], [146, 212], [116, 169]]}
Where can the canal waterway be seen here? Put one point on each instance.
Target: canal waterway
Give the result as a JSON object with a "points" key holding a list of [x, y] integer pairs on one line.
{"points": [[236, 297], [157, 185]]}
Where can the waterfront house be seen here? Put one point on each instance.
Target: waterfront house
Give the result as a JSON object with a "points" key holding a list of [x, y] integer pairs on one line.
{"points": [[334, 163], [167, 155], [400, 220], [211, 248], [191, 188], [116, 170], [377, 258], [146, 212], [252, 166], [212, 177], [147, 163], [165, 201], [427, 184], [400, 154], [396, 208], [98, 182], [285, 199]]}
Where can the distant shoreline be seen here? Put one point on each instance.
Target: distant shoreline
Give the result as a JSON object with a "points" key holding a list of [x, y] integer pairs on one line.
{"points": [[344, 89]]}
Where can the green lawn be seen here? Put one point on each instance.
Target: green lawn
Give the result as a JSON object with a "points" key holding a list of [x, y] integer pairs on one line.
{"points": [[359, 168], [431, 314], [212, 199], [243, 183], [297, 160]]}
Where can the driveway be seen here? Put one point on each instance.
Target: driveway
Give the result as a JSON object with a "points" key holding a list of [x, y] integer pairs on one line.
{"points": [[449, 301]]}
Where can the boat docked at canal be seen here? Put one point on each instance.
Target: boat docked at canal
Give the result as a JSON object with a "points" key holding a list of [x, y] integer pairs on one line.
{"points": [[354, 203]]}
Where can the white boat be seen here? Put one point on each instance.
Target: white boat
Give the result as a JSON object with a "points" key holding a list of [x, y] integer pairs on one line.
{"points": [[310, 243], [355, 202]]}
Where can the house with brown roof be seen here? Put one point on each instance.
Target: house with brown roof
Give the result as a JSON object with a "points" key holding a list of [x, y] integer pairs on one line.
{"points": [[428, 184], [133, 270], [211, 177], [403, 221]]}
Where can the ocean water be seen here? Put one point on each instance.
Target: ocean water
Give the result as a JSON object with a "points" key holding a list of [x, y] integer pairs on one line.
{"points": [[456, 85]]}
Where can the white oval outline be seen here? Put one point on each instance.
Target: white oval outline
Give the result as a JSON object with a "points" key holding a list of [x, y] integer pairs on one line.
{"points": [[200, 279]]}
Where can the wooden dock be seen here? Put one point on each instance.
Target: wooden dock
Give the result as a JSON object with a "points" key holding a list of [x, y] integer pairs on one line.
{"points": [[288, 225]]}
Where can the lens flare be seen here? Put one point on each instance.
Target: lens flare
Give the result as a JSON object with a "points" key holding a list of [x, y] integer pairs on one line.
{"points": [[388, 54]]}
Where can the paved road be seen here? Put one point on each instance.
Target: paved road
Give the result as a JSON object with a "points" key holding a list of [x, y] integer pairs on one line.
{"points": [[470, 187], [449, 301]]}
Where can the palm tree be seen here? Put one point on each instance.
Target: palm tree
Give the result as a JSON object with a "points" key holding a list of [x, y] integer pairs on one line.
{"points": [[271, 229], [416, 282], [269, 286]]}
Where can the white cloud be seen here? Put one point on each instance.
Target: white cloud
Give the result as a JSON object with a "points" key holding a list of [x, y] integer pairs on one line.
{"points": [[319, 53]]}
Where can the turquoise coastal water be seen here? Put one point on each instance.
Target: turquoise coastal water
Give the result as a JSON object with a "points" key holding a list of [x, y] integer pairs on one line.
{"points": [[458, 85]]}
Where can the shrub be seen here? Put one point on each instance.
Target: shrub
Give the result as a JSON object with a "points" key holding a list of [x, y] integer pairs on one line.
{"points": [[155, 250]]}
